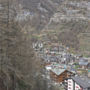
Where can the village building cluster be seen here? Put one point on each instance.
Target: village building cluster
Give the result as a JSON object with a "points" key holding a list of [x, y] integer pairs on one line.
{"points": [[63, 67]]}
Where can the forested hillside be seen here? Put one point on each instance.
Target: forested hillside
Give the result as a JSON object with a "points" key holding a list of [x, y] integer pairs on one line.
{"points": [[19, 65]]}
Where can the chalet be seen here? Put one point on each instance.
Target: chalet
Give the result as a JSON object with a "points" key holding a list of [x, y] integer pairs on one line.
{"points": [[59, 75], [77, 83], [83, 63]]}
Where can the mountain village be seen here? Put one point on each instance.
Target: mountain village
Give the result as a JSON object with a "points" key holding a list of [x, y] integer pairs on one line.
{"points": [[62, 68], [43, 20]]}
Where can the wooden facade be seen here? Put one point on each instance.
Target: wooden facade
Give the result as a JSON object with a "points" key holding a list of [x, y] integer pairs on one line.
{"points": [[60, 78]]}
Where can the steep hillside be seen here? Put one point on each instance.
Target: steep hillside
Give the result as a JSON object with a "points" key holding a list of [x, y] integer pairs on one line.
{"points": [[40, 11], [67, 23], [58, 18], [17, 67]]}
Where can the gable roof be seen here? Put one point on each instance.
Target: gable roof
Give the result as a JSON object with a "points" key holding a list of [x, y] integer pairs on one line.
{"points": [[81, 82], [58, 71], [83, 63]]}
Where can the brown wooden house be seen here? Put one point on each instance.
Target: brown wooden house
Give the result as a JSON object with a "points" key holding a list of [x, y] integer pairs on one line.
{"points": [[59, 75]]}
